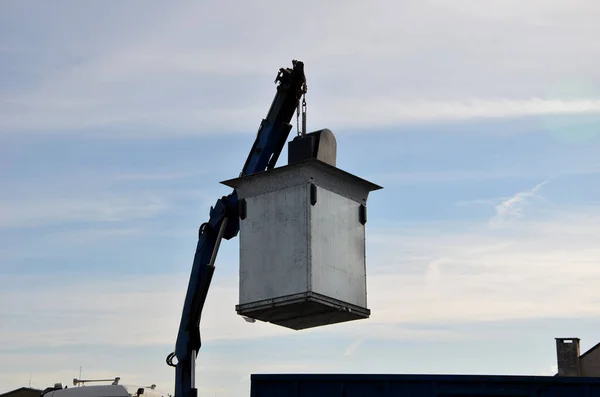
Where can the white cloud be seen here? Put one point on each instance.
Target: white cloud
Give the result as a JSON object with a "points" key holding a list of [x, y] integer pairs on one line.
{"points": [[65, 208], [147, 309], [367, 66], [421, 281], [487, 201], [379, 112], [103, 199], [368, 113], [532, 269], [512, 208], [442, 176], [158, 176], [353, 346], [538, 169]]}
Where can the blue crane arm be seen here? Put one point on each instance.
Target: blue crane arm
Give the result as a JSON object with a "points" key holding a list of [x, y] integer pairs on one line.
{"points": [[224, 223], [275, 128]]}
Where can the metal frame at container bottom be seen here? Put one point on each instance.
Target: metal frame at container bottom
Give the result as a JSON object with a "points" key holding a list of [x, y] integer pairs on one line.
{"points": [[303, 310]]}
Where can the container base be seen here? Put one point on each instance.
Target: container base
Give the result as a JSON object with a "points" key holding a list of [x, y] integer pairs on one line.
{"points": [[302, 311]]}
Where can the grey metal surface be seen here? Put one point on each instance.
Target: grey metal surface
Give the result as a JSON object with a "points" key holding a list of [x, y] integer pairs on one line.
{"points": [[320, 145], [337, 249], [290, 247], [274, 245]]}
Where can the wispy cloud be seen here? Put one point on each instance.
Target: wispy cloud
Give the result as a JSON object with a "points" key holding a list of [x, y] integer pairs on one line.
{"points": [[500, 276], [513, 207], [443, 176], [157, 176], [352, 347], [151, 77], [106, 208], [548, 171], [217, 85], [481, 275], [368, 112], [487, 201], [379, 112]]}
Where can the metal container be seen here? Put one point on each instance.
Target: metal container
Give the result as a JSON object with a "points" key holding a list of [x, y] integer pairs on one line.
{"points": [[302, 245]]}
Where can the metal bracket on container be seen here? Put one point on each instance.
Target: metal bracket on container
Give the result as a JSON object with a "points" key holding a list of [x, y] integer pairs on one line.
{"points": [[313, 194], [362, 214], [242, 208]]}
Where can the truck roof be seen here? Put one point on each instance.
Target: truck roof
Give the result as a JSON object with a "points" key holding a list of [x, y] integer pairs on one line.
{"points": [[106, 391]]}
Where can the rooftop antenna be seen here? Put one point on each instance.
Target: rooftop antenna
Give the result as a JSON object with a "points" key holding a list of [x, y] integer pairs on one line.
{"points": [[30, 375], [82, 382]]}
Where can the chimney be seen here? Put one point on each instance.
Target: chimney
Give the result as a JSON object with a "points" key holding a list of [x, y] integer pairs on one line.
{"points": [[567, 354]]}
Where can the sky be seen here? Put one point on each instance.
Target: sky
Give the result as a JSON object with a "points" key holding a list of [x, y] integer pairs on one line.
{"points": [[118, 120]]}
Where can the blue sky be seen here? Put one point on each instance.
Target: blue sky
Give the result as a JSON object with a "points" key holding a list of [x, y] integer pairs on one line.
{"points": [[118, 120]]}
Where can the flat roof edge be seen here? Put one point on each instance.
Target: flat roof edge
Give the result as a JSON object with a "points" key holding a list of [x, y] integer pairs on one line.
{"points": [[423, 377]]}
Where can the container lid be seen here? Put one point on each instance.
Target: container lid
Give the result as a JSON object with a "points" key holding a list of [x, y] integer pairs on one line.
{"points": [[278, 178]]}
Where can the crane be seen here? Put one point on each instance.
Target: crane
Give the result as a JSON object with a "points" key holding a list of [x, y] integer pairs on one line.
{"points": [[224, 221]]}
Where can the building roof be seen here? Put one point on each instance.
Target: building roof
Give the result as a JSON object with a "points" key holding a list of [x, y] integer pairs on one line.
{"points": [[580, 357], [9, 393], [590, 350]]}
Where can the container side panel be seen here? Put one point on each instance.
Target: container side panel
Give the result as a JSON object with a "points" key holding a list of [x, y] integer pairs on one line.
{"points": [[337, 248], [273, 245]]}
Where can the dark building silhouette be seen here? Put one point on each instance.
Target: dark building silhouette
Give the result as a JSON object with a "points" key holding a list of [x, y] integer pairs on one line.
{"points": [[22, 392], [571, 363]]}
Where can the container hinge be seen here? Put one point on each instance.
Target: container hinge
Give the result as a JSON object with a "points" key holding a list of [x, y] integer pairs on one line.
{"points": [[242, 208], [362, 214], [313, 194]]}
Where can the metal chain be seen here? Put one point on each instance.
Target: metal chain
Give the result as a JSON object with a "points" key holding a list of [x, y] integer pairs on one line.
{"points": [[304, 114], [298, 119], [303, 131]]}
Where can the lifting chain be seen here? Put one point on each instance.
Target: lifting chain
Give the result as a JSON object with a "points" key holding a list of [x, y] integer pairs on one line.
{"points": [[304, 114], [298, 119], [303, 111]]}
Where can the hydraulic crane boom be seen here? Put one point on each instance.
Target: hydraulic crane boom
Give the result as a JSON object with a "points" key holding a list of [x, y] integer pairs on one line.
{"points": [[224, 223]]}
